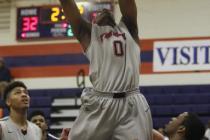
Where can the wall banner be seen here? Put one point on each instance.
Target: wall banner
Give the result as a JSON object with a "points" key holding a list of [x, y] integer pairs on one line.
{"points": [[181, 55]]}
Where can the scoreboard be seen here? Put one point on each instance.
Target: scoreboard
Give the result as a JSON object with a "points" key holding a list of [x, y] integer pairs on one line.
{"points": [[49, 22]]}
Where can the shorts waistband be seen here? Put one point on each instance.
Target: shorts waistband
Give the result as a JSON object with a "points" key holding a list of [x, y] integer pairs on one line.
{"points": [[117, 94]]}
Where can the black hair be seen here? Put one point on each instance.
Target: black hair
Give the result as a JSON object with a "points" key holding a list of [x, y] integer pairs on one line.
{"points": [[11, 86], [35, 113], [195, 129]]}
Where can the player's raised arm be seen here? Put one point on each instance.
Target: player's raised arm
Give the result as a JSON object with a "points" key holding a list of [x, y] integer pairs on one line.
{"points": [[129, 16], [81, 28]]}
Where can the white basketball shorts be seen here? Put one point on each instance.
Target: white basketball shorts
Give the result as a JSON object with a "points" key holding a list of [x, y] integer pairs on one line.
{"points": [[104, 116]]}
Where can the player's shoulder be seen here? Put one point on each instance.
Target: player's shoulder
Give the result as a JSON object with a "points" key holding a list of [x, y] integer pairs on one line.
{"points": [[35, 129], [157, 135], [4, 118], [4, 122], [2, 127], [130, 29], [123, 25], [32, 125]]}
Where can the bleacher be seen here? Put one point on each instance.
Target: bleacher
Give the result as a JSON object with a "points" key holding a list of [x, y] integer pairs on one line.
{"points": [[169, 101]]}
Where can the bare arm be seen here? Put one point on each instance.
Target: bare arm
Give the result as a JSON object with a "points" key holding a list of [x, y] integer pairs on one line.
{"points": [[80, 27], [129, 17], [157, 135]]}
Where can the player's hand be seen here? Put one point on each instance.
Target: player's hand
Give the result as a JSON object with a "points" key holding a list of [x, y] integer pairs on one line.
{"points": [[64, 134]]}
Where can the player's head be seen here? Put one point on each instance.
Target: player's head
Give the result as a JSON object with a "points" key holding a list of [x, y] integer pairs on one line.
{"points": [[39, 119], [16, 95], [186, 126], [105, 17]]}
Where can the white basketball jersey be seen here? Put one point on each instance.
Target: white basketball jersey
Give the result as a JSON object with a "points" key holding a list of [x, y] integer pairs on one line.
{"points": [[10, 131], [114, 59]]}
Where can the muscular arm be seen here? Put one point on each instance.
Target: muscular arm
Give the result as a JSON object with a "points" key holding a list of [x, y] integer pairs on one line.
{"points": [[80, 27], [129, 16]]}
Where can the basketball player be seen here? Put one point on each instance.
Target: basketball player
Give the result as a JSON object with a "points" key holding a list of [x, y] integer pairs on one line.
{"points": [[38, 117], [113, 109], [17, 127], [186, 126]]}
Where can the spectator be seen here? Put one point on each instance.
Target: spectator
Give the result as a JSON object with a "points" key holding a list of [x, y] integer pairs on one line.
{"points": [[16, 127], [39, 119], [5, 75]]}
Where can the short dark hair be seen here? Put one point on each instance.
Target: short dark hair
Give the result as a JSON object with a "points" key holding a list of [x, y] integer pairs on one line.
{"points": [[11, 86], [195, 129], [35, 113]]}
